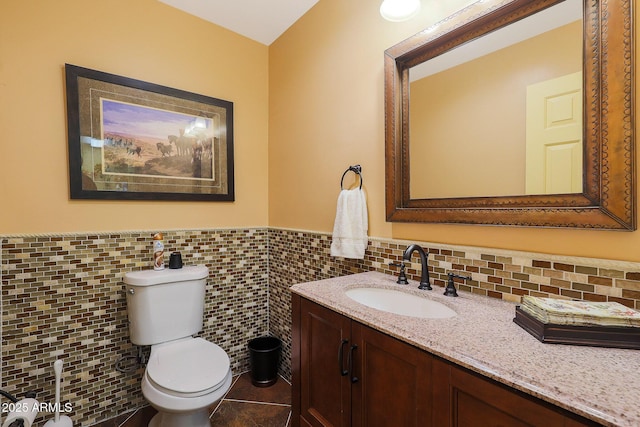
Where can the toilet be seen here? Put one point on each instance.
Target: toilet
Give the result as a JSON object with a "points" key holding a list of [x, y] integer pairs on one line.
{"points": [[185, 375]]}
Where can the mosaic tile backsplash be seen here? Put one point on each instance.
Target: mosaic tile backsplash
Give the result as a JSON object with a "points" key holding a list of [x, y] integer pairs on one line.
{"points": [[62, 297]]}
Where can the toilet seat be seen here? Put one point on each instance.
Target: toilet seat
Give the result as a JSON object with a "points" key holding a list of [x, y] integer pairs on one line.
{"points": [[189, 367]]}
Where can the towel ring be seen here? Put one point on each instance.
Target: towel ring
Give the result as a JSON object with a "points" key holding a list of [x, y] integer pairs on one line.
{"points": [[357, 169]]}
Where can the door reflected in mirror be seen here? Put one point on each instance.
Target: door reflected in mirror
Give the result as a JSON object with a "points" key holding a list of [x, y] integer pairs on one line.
{"points": [[501, 115]]}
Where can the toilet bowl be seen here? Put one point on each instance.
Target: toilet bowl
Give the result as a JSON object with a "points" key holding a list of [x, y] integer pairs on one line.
{"points": [[183, 379], [184, 375]]}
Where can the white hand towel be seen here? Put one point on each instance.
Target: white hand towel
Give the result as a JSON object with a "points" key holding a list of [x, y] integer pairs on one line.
{"points": [[351, 225]]}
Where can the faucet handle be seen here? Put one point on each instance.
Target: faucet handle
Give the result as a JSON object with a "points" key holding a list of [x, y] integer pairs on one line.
{"points": [[402, 278], [450, 290]]}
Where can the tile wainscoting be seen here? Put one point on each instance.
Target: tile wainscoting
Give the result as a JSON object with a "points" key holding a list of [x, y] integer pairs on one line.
{"points": [[62, 297]]}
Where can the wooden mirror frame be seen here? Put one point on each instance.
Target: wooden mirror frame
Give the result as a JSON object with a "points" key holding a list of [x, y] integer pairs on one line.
{"points": [[608, 200]]}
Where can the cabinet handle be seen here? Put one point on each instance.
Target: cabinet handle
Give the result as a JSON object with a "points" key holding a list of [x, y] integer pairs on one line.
{"points": [[354, 347], [343, 372]]}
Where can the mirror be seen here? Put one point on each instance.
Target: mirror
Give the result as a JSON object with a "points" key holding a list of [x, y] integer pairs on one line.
{"points": [[491, 95], [596, 167]]}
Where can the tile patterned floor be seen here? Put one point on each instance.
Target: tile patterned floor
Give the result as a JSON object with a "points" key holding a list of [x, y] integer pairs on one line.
{"points": [[243, 406]]}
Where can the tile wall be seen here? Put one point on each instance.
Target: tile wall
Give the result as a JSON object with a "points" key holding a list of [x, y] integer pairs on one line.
{"points": [[62, 297], [297, 257]]}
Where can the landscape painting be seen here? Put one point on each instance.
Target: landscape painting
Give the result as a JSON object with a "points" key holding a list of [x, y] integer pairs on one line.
{"points": [[139, 140], [130, 139]]}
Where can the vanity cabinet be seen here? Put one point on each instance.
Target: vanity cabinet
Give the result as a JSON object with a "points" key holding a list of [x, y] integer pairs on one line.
{"points": [[347, 374], [466, 399]]}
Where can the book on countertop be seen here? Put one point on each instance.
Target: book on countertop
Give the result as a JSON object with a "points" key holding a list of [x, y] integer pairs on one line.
{"points": [[566, 312]]}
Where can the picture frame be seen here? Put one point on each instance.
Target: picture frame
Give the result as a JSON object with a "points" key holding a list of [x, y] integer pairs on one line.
{"points": [[134, 140]]}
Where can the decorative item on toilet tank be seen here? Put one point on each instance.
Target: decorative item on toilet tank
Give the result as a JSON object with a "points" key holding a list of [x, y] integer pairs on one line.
{"points": [[158, 252]]}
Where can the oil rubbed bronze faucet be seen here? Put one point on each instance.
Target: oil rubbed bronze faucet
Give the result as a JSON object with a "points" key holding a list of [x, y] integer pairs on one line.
{"points": [[424, 279]]}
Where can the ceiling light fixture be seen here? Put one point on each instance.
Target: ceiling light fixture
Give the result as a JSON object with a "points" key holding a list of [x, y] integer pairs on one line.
{"points": [[399, 10]]}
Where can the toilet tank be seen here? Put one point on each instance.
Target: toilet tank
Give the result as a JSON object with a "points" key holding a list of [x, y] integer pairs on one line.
{"points": [[165, 305]]}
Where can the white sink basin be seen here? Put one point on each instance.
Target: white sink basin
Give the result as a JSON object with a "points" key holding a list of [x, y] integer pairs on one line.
{"points": [[398, 302]]}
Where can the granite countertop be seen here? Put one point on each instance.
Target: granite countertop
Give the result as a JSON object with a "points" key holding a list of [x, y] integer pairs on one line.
{"points": [[601, 384]]}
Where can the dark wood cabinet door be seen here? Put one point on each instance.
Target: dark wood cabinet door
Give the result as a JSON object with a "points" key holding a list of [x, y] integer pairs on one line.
{"points": [[470, 400], [391, 381], [325, 394]]}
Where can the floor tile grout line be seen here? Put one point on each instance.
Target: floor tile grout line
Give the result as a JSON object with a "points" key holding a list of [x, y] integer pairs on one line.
{"points": [[258, 402], [235, 380], [124, 422], [225, 398]]}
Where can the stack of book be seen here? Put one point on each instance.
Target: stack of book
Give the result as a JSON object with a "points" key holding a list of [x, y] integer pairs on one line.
{"points": [[603, 324]]}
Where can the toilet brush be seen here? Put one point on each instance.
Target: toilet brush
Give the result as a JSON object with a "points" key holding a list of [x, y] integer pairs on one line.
{"points": [[58, 421]]}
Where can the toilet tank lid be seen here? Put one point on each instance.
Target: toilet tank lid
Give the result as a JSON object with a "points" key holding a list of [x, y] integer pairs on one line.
{"points": [[168, 275]]}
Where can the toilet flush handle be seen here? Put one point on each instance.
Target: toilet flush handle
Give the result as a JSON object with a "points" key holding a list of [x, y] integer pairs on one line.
{"points": [[132, 291]]}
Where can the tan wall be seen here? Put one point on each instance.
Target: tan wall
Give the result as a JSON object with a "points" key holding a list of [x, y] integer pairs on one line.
{"points": [[326, 112], [144, 40]]}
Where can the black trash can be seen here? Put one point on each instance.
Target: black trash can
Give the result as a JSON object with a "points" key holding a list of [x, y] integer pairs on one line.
{"points": [[264, 356]]}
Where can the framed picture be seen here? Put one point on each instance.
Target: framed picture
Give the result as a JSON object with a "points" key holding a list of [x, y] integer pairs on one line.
{"points": [[134, 140]]}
